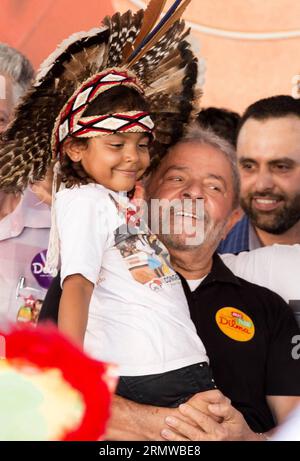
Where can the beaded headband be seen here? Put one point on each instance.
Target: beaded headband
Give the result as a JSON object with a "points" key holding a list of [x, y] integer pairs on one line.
{"points": [[71, 122]]}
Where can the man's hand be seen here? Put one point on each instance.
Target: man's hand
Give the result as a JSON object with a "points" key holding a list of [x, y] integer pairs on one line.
{"points": [[202, 400], [231, 425]]}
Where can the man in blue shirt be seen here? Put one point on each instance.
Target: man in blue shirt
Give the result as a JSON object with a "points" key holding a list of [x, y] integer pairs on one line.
{"points": [[268, 149]]}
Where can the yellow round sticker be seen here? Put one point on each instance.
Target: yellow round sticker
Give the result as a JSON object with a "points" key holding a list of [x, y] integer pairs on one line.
{"points": [[235, 324]]}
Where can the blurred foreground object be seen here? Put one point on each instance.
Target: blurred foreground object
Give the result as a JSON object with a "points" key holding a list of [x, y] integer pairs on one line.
{"points": [[49, 389], [290, 430]]}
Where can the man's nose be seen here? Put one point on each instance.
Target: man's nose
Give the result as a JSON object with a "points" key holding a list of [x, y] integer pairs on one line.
{"points": [[264, 180], [193, 190]]}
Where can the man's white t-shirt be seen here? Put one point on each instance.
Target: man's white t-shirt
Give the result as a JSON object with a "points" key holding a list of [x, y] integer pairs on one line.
{"points": [[24, 236], [276, 267], [138, 314]]}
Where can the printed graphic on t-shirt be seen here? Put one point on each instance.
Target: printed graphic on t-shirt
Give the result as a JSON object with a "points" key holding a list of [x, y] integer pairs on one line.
{"points": [[235, 324], [145, 256], [146, 259]]}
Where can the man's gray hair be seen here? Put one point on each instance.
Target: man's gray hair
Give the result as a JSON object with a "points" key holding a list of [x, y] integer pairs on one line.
{"points": [[195, 133], [17, 67]]}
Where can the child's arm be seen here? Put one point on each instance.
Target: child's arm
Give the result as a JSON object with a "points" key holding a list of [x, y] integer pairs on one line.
{"points": [[74, 307]]}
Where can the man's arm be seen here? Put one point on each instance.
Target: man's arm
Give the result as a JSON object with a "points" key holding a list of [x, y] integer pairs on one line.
{"points": [[282, 405], [133, 421]]}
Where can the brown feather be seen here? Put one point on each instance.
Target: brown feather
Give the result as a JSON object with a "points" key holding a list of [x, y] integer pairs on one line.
{"points": [[169, 23], [151, 15], [166, 68], [92, 59], [123, 30]]}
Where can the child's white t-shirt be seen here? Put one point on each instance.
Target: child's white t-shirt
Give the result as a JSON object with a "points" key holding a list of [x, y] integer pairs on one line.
{"points": [[138, 315]]}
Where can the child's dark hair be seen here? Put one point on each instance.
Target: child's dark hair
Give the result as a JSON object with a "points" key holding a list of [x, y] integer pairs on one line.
{"points": [[118, 98]]}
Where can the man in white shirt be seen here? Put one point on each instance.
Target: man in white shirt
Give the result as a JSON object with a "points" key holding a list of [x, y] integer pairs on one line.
{"points": [[275, 267], [24, 220]]}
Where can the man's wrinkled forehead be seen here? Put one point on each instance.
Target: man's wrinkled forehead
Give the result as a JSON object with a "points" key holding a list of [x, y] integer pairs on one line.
{"points": [[2, 87], [172, 160], [6, 88], [191, 157]]}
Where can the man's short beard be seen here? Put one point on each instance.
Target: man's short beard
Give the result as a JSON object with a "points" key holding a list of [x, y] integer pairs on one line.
{"points": [[175, 242], [212, 239], [283, 219]]}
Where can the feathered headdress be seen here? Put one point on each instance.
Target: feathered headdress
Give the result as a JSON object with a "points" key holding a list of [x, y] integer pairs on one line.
{"points": [[158, 59]]}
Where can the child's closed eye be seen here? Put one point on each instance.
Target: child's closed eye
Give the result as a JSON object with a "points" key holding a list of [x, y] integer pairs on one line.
{"points": [[117, 144]]}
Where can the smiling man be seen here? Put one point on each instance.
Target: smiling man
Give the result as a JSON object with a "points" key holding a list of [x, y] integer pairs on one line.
{"points": [[247, 330], [268, 149]]}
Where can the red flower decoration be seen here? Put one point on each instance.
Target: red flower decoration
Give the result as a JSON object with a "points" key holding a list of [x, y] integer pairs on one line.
{"points": [[46, 348]]}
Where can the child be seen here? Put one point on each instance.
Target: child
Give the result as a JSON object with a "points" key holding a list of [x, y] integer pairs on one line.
{"points": [[119, 296], [108, 301]]}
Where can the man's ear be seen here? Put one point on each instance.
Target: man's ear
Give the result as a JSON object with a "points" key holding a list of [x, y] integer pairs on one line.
{"points": [[235, 216], [73, 149]]}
